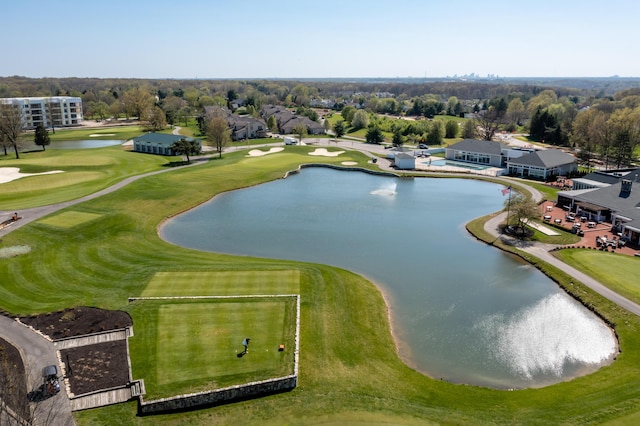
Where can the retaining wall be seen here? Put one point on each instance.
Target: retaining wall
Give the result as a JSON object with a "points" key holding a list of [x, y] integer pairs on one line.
{"points": [[214, 397]]}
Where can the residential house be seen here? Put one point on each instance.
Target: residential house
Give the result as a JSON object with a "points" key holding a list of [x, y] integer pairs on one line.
{"points": [[159, 143], [287, 120], [242, 126]]}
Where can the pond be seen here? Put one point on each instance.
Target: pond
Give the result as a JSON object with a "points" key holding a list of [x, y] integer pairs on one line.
{"points": [[85, 144], [461, 310], [79, 144]]}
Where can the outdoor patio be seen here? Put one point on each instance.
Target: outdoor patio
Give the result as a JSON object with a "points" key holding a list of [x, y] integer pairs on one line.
{"points": [[551, 214]]}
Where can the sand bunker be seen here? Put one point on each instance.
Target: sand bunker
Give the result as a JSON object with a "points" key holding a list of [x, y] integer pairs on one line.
{"points": [[349, 163], [325, 153], [7, 174], [97, 135], [258, 153]]}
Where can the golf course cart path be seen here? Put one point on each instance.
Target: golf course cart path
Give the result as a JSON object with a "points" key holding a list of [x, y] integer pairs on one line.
{"points": [[37, 353], [29, 215], [542, 251]]}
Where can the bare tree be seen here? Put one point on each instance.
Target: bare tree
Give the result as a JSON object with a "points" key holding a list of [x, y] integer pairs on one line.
{"points": [[218, 132], [489, 122], [11, 122], [300, 130]]}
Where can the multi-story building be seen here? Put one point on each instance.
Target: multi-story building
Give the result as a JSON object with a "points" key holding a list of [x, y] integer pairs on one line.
{"points": [[54, 111]]}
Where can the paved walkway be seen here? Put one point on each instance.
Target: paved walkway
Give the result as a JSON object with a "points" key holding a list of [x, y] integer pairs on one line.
{"points": [[541, 251], [38, 352]]}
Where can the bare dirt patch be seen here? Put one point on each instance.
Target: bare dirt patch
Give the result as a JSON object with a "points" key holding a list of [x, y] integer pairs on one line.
{"points": [[13, 380], [94, 367], [77, 322]]}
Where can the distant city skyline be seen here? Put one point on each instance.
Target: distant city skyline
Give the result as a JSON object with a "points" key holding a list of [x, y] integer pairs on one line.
{"points": [[330, 39]]}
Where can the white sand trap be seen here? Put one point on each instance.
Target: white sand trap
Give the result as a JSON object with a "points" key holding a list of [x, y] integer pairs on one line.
{"points": [[349, 163], [7, 174], [96, 135], [258, 153], [323, 152]]}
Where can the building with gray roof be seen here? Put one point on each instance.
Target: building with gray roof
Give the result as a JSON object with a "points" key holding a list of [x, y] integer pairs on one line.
{"points": [[543, 164], [618, 204], [159, 143]]}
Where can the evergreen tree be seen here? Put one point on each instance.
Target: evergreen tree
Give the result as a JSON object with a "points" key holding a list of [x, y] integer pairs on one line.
{"points": [[41, 137]]}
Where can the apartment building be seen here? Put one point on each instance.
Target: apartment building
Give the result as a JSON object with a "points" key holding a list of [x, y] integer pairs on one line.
{"points": [[56, 111]]}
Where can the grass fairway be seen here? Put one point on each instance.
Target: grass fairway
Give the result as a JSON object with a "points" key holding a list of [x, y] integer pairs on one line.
{"points": [[614, 270], [229, 283], [115, 132], [85, 171], [197, 342], [350, 371], [69, 219]]}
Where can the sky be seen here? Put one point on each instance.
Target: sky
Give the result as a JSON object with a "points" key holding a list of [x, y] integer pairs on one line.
{"points": [[325, 39]]}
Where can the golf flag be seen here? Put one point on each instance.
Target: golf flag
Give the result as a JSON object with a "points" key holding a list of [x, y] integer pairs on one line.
{"points": [[506, 190]]}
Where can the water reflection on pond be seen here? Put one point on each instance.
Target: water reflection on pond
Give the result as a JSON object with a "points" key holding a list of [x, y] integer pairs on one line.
{"points": [[85, 144], [461, 310]]}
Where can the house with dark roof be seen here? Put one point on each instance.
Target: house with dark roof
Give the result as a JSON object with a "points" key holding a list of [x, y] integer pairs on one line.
{"points": [[543, 164], [313, 127], [241, 126], [488, 153], [159, 143], [287, 120], [601, 178], [618, 203]]}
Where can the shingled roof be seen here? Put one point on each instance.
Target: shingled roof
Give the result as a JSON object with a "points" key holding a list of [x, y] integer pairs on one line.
{"points": [[483, 147], [545, 159]]}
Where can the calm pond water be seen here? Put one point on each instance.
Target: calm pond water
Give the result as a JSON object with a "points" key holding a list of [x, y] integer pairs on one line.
{"points": [[81, 144], [85, 144], [461, 310]]}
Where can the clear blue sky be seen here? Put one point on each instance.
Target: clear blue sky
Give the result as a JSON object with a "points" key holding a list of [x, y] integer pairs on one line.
{"points": [[330, 38]]}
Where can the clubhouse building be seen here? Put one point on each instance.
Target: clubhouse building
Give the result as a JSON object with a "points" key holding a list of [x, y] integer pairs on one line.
{"points": [[526, 163], [159, 143], [607, 196]]}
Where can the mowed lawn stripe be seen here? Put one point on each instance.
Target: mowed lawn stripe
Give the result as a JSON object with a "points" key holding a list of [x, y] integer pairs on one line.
{"points": [[198, 344], [222, 283], [69, 219]]}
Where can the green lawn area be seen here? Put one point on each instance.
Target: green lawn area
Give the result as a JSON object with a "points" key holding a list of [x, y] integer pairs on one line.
{"points": [[196, 343], [615, 270], [219, 283], [350, 371], [69, 219], [115, 132], [85, 171]]}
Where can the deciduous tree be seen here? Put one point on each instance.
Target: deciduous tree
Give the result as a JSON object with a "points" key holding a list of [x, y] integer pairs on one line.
{"points": [[360, 120], [300, 130], [186, 147], [469, 130], [451, 129], [155, 119], [218, 132], [11, 122]]}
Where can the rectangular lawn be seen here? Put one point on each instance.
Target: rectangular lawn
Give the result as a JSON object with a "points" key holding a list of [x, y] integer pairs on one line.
{"points": [[225, 283], [194, 344]]}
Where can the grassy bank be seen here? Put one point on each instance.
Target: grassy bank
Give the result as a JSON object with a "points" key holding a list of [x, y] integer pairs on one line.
{"points": [[349, 368]]}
